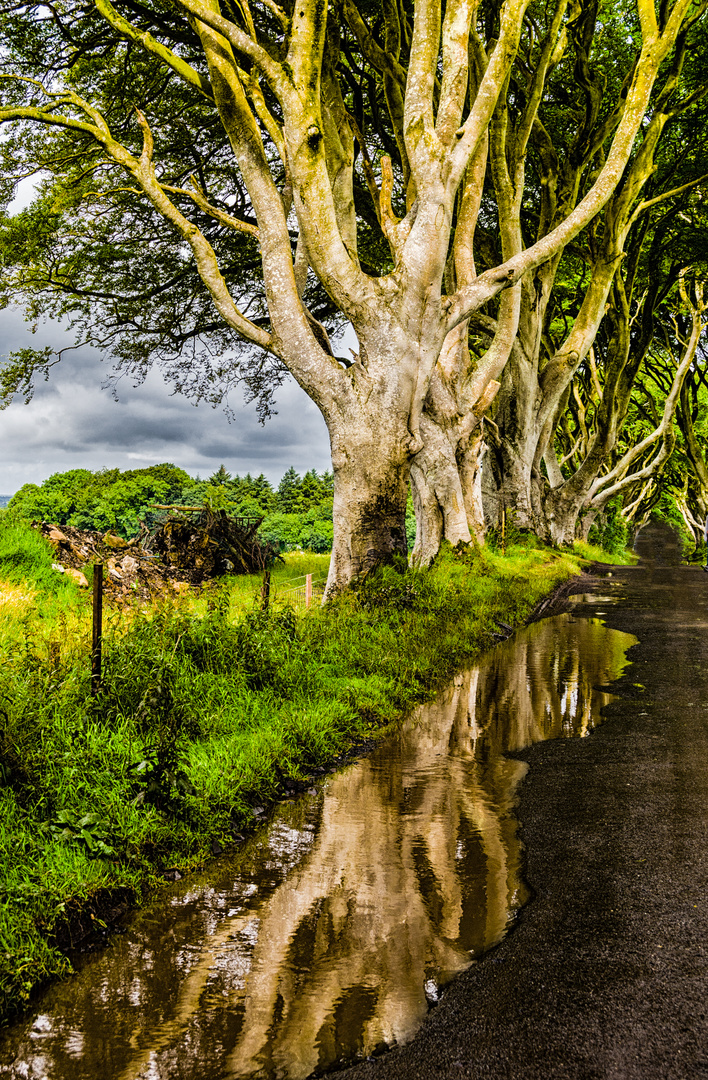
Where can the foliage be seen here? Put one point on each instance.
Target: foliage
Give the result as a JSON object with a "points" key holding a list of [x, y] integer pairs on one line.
{"points": [[610, 531], [107, 499], [87, 832], [297, 515], [312, 530]]}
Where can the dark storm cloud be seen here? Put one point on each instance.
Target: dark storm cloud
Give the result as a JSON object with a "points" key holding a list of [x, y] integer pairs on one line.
{"points": [[73, 423], [124, 424]]}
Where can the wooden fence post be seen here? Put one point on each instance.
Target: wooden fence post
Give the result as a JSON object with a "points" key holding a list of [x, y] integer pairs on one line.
{"points": [[265, 590], [97, 628], [308, 590]]}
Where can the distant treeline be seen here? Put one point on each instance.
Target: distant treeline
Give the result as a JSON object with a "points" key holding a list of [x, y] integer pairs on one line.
{"points": [[298, 513]]}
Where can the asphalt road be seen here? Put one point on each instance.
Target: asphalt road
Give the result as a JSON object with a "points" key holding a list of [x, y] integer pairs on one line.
{"points": [[605, 975]]}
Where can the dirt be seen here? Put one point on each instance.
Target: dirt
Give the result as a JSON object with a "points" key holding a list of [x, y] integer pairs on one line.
{"points": [[130, 571], [606, 972], [557, 601]]}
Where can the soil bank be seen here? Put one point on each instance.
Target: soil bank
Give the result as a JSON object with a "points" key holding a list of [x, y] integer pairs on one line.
{"points": [[606, 972]]}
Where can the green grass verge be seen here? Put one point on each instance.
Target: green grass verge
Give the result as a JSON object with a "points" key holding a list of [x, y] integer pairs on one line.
{"points": [[592, 553], [209, 708]]}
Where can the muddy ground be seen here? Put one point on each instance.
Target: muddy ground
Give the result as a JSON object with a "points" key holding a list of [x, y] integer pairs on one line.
{"points": [[606, 972]]}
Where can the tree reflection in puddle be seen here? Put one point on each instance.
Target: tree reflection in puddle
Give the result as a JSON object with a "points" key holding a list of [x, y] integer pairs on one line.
{"points": [[327, 937]]}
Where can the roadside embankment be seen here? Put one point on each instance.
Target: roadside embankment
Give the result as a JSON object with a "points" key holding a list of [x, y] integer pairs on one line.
{"points": [[205, 718]]}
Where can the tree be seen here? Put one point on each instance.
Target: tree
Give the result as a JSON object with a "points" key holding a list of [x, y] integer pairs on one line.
{"points": [[692, 414], [221, 477], [288, 497], [311, 490], [654, 308], [539, 350], [107, 499], [658, 464], [130, 100], [642, 462]]}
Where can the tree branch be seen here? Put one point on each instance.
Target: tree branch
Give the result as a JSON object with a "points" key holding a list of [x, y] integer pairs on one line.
{"points": [[197, 197], [614, 481], [652, 55], [151, 45]]}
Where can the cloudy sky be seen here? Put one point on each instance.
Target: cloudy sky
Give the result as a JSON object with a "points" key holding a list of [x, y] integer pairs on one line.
{"points": [[73, 423]]}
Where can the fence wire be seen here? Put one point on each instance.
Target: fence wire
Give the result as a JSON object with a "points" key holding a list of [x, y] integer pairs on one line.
{"points": [[305, 594]]}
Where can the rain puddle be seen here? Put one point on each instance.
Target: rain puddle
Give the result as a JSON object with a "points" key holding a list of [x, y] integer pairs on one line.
{"points": [[330, 933]]}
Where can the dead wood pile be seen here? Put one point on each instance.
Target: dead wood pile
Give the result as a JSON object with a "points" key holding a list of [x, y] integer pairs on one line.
{"points": [[183, 550], [129, 569], [206, 543]]}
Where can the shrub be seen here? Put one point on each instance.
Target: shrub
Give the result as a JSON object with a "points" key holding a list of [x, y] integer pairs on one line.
{"points": [[611, 531]]}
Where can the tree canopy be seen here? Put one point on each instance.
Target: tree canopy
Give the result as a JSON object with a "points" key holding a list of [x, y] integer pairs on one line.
{"points": [[468, 185], [296, 514]]}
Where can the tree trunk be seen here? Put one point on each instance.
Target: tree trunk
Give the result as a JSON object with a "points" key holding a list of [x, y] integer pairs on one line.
{"points": [[438, 496], [471, 460], [561, 522], [371, 472]]}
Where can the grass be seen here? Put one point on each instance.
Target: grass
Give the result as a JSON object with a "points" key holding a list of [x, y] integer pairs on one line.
{"points": [[592, 553], [244, 591], [209, 708]]}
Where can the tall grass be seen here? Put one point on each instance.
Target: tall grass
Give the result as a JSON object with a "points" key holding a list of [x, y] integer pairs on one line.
{"points": [[210, 707], [26, 559]]}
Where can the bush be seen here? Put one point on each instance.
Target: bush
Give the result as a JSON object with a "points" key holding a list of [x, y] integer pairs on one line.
{"points": [[611, 531], [312, 530]]}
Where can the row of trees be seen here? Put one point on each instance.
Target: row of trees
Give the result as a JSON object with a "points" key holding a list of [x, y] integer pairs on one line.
{"points": [[298, 513], [295, 494], [505, 200]]}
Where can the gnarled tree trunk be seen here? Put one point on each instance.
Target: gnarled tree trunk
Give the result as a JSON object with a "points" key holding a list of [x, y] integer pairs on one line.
{"points": [[371, 469]]}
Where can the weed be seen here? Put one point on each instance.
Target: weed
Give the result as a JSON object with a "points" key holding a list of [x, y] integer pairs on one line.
{"points": [[88, 832]]}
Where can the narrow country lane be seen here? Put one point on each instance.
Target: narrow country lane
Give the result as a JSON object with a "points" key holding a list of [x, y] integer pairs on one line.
{"points": [[606, 973]]}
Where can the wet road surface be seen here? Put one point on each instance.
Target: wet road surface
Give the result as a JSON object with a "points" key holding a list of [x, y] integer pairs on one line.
{"points": [[606, 972]]}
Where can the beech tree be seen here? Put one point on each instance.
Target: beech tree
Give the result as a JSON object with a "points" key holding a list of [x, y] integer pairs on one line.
{"points": [[692, 496], [658, 462], [562, 305], [629, 464], [655, 303], [195, 123]]}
